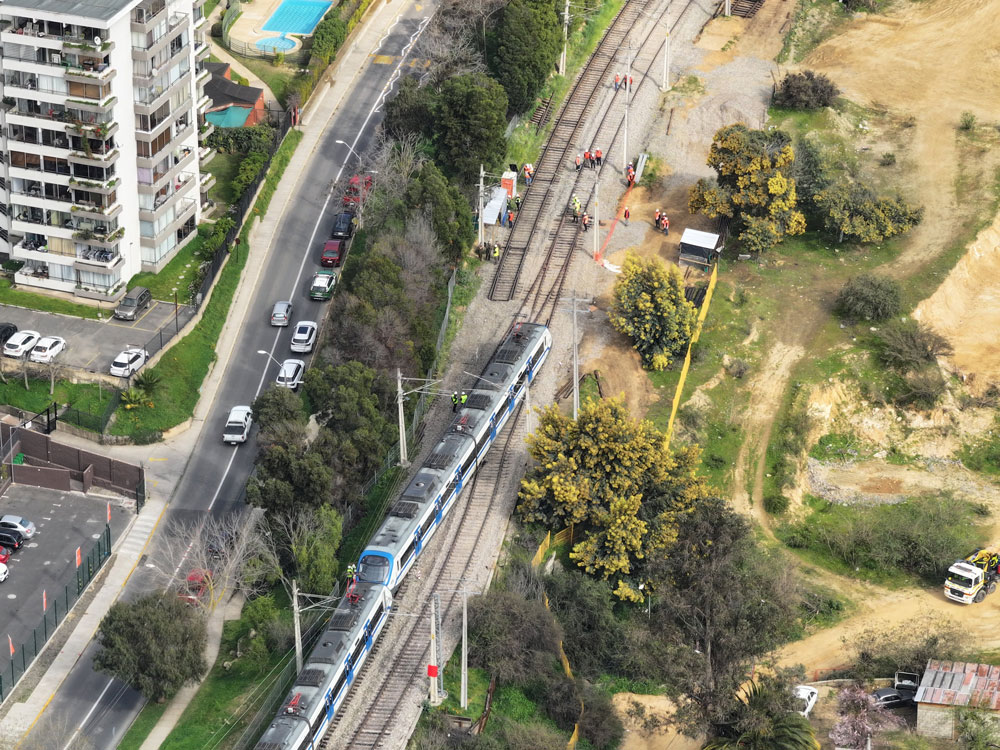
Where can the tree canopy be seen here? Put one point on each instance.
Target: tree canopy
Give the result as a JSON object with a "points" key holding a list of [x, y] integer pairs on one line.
{"points": [[470, 125], [752, 186], [854, 211], [805, 90], [155, 644], [527, 42], [448, 209], [615, 480], [649, 307], [765, 717]]}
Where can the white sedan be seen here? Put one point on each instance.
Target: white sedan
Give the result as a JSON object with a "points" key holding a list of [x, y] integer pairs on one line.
{"points": [[4, 572], [290, 374], [20, 343], [808, 695], [304, 338], [128, 362], [47, 349], [23, 526]]}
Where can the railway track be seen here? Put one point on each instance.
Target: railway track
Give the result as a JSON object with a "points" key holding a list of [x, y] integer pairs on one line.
{"points": [[396, 666], [541, 298]]}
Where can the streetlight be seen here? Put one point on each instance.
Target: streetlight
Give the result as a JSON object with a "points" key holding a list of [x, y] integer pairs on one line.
{"points": [[345, 143], [268, 355]]}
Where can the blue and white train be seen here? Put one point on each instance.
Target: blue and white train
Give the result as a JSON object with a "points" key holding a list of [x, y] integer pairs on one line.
{"points": [[359, 619]]}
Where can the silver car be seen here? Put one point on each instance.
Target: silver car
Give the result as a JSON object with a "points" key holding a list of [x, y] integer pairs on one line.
{"points": [[290, 374], [281, 314], [16, 523], [304, 337]]}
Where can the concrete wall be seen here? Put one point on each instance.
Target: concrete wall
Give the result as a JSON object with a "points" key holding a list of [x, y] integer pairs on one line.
{"points": [[936, 721]]}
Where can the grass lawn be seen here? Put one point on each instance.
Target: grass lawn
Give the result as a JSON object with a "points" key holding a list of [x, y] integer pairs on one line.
{"points": [[32, 301], [84, 396], [277, 77], [224, 167], [176, 274], [184, 367], [479, 684], [142, 726]]}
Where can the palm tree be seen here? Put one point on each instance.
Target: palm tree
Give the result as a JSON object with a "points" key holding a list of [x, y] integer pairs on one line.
{"points": [[762, 724], [148, 382]]}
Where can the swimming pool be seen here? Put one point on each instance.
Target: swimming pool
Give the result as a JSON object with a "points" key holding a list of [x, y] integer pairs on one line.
{"points": [[275, 44], [296, 16]]}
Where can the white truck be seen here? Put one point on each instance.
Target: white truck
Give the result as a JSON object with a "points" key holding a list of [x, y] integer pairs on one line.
{"points": [[970, 580]]}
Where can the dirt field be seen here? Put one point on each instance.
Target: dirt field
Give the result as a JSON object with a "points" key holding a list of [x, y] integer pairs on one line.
{"points": [[637, 737]]}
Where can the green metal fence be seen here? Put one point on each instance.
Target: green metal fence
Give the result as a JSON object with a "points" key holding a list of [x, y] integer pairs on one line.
{"points": [[55, 608]]}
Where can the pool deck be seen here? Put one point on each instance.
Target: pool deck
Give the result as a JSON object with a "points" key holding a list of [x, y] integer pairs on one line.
{"points": [[249, 27]]}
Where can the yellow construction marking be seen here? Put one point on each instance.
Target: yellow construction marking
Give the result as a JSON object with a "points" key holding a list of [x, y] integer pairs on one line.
{"points": [[384, 59], [419, 64], [418, 7], [157, 459]]}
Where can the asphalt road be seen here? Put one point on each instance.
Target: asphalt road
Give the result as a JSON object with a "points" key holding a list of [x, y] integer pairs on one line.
{"points": [[102, 708]]}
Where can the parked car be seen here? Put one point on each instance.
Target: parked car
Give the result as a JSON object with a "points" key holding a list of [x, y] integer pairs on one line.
{"points": [[343, 226], [901, 694], [290, 374], [6, 331], [20, 343], [808, 696], [47, 349], [4, 572], [197, 585], [21, 525], [4, 555], [10, 539], [238, 424], [322, 285], [128, 362], [357, 189], [135, 301], [304, 338], [281, 314], [333, 253]]}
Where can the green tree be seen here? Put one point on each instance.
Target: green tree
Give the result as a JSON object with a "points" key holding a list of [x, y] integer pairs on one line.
{"points": [[154, 644], [869, 297], [449, 210], [765, 718], [615, 480], [649, 307], [855, 212], [277, 405], [977, 730], [805, 90], [315, 554], [291, 474], [470, 125], [512, 637], [723, 604], [751, 186], [328, 36], [411, 110], [527, 42]]}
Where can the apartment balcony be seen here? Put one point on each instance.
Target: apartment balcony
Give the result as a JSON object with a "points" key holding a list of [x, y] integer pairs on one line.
{"points": [[98, 259], [94, 105], [96, 186], [150, 47], [95, 158], [202, 51], [95, 73], [144, 19], [151, 102], [37, 197], [88, 210], [185, 210], [205, 155], [38, 276], [207, 181], [163, 202], [94, 234], [178, 162], [206, 130]]}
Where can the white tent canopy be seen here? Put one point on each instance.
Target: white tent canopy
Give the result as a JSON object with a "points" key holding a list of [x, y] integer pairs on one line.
{"points": [[497, 203], [695, 238]]}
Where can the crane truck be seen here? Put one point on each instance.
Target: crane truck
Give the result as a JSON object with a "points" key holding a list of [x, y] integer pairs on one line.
{"points": [[971, 579]]}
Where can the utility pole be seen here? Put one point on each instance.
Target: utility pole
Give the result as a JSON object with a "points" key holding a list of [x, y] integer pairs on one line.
{"points": [[432, 668], [465, 643], [666, 63], [628, 94], [298, 630], [562, 60], [727, 8], [576, 365], [403, 461], [482, 236], [597, 226]]}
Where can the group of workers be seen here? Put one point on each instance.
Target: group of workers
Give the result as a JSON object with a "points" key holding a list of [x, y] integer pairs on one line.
{"points": [[592, 158]]}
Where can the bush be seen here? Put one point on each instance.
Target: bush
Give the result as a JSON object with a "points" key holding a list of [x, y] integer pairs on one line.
{"points": [[250, 169], [909, 345], [887, 159], [600, 725], [921, 536], [880, 651], [329, 34], [737, 367], [511, 637], [775, 503], [592, 635], [869, 297], [217, 30], [921, 388], [805, 90], [967, 122], [242, 140]]}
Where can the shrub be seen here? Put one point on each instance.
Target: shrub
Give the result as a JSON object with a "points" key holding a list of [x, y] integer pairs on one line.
{"points": [[775, 503], [250, 168], [967, 121], [880, 650], [511, 637], [217, 30], [869, 297], [887, 159], [592, 634], [909, 345], [922, 536], [737, 367], [600, 725], [561, 702], [242, 140], [805, 90], [921, 388], [329, 34]]}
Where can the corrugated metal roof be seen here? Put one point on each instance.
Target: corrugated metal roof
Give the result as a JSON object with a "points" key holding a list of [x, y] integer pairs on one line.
{"points": [[959, 683]]}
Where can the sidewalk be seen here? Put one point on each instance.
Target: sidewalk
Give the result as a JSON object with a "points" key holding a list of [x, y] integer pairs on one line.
{"points": [[165, 462]]}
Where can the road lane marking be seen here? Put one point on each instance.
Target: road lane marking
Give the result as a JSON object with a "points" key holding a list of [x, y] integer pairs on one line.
{"points": [[89, 714]]}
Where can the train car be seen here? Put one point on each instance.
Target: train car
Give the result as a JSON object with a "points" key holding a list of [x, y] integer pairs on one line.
{"points": [[421, 509], [326, 678]]}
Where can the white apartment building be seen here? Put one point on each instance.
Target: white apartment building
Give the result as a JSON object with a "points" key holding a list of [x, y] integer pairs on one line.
{"points": [[99, 155]]}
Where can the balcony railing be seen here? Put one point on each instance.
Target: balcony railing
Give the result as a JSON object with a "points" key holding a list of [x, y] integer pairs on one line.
{"points": [[147, 15]]}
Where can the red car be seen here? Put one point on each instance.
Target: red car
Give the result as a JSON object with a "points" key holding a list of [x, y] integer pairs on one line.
{"points": [[356, 189], [333, 253], [4, 555], [197, 585]]}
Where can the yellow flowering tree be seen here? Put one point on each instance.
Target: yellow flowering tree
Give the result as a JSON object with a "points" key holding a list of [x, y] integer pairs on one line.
{"points": [[649, 307], [615, 480], [751, 186]]}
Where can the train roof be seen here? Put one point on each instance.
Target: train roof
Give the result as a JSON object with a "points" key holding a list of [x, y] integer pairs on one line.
{"points": [[430, 479]]}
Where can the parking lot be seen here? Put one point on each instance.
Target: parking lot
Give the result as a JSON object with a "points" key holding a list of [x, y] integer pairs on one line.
{"points": [[93, 344], [47, 562]]}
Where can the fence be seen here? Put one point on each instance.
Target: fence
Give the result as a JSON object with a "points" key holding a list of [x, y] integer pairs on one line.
{"points": [[54, 611], [93, 420], [296, 57], [548, 541], [702, 314]]}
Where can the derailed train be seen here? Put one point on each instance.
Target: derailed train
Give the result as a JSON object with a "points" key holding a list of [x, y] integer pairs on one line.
{"points": [[361, 616]]}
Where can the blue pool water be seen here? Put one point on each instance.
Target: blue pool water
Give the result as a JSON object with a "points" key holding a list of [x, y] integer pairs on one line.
{"points": [[275, 43], [296, 16]]}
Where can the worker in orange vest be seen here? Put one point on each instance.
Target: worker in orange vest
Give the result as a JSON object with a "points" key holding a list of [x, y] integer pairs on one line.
{"points": [[586, 158], [598, 155], [579, 161]]}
